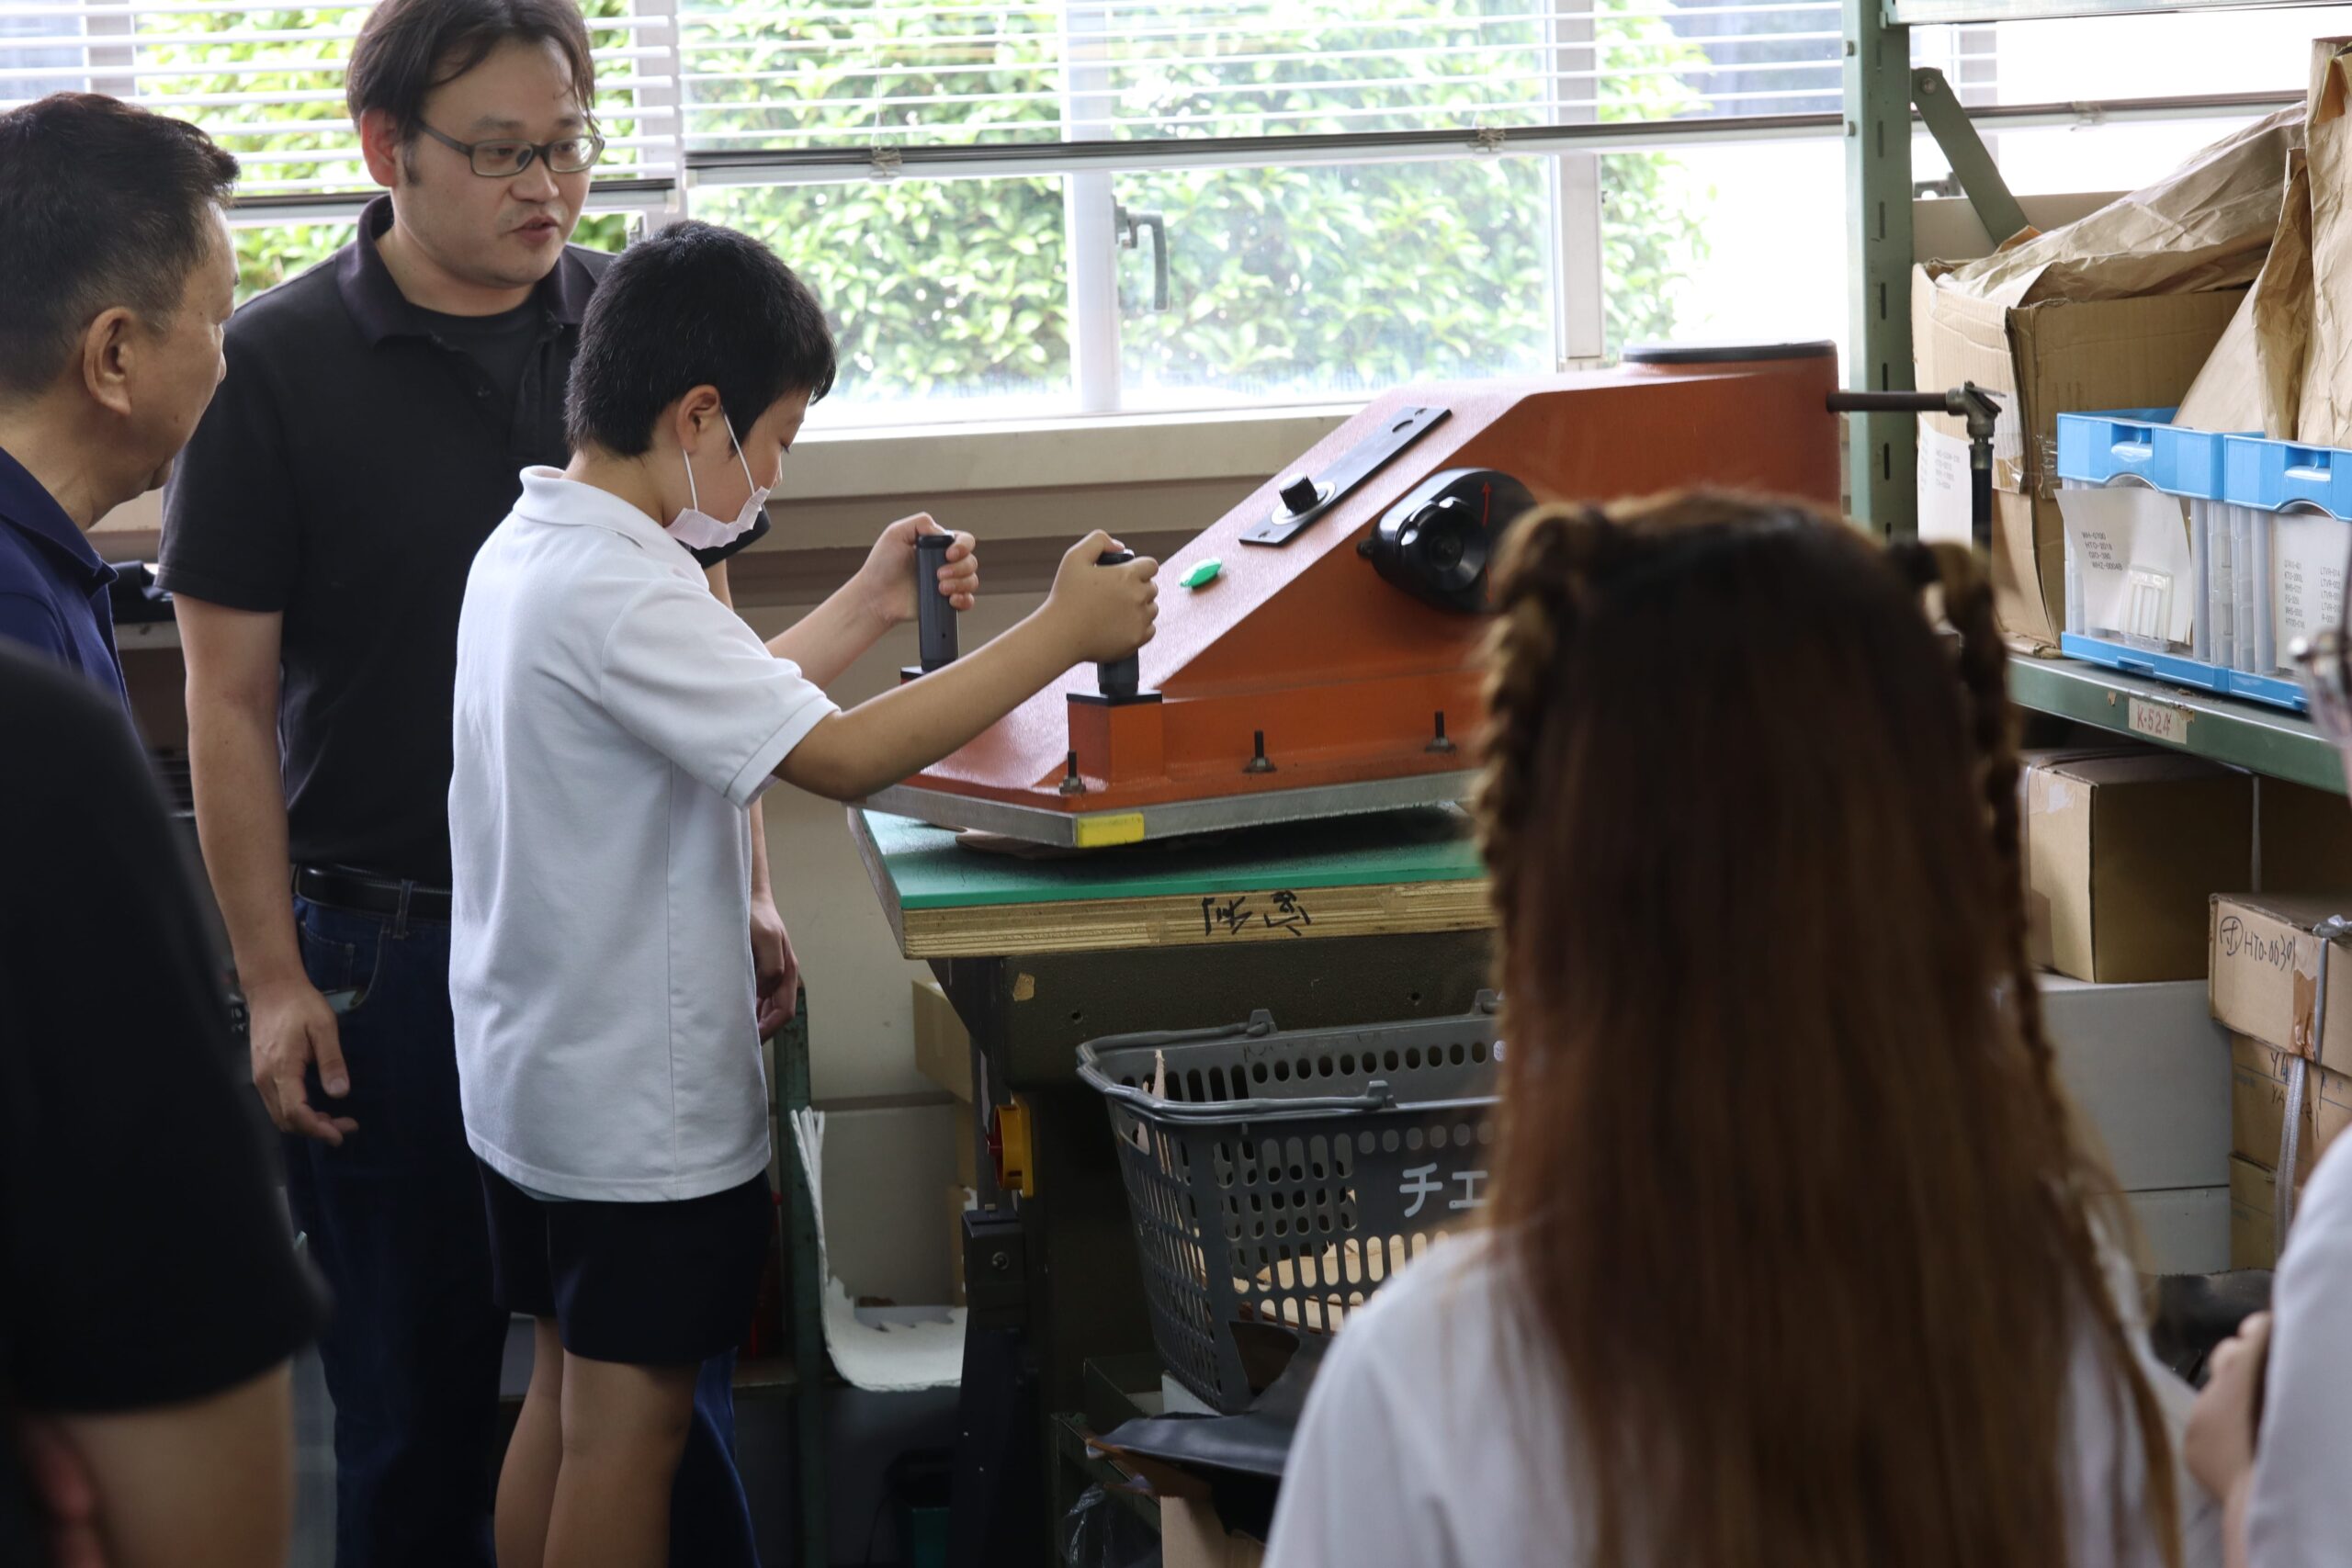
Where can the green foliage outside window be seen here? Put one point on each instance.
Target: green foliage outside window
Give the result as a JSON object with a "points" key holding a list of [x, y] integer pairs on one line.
{"points": [[1296, 279]]}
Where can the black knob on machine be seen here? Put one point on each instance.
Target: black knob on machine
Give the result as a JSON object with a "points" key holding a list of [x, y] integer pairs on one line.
{"points": [[1436, 543], [1301, 494]]}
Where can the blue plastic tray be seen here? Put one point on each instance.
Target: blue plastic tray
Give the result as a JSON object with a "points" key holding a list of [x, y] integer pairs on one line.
{"points": [[2277, 690], [2172, 667], [2097, 447], [2271, 475]]}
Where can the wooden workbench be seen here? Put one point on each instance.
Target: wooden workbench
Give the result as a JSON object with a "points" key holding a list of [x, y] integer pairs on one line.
{"points": [[1326, 924]]}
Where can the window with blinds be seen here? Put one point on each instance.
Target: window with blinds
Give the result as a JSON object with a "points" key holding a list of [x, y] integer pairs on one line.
{"points": [[917, 72], [266, 80], [749, 75], [1102, 204]]}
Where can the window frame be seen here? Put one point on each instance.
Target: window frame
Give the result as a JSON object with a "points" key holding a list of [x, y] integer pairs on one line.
{"points": [[1087, 159]]}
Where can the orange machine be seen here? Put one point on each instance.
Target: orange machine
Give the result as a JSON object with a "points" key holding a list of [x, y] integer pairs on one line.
{"points": [[1328, 665]]}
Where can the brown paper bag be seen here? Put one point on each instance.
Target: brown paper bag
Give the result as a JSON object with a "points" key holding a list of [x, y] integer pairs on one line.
{"points": [[2204, 226], [2254, 380], [2325, 416]]}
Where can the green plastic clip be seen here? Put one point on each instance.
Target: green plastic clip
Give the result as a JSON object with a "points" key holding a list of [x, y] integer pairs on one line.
{"points": [[1203, 574]]}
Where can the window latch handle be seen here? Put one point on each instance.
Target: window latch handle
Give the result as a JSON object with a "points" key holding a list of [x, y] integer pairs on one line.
{"points": [[1129, 227]]}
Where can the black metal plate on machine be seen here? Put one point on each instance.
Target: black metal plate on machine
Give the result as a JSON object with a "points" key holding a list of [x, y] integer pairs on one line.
{"points": [[1305, 496]]}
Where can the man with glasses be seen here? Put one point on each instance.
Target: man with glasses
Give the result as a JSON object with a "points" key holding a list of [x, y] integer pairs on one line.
{"points": [[378, 412]]}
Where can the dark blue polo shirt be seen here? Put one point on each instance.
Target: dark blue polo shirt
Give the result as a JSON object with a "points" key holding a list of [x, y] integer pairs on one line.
{"points": [[52, 584]]}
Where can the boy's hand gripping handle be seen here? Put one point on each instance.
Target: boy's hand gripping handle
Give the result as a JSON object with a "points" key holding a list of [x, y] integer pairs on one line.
{"points": [[1118, 678]]}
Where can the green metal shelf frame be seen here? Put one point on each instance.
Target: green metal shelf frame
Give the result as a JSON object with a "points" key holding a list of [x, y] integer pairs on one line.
{"points": [[1884, 450], [804, 1325], [1883, 453], [2269, 741]]}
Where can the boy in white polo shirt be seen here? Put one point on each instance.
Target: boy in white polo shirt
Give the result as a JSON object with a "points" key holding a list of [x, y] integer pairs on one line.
{"points": [[614, 721]]}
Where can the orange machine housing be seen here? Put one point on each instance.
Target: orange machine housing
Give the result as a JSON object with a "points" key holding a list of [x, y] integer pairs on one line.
{"points": [[1343, 674]]}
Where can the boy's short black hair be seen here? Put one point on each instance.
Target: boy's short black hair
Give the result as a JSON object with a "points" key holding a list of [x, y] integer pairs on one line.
{"points": [[102, 204], [407, 47], [694, 305]]}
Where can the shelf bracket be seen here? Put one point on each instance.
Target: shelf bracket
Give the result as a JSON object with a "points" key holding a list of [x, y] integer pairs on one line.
{"points": [[1972, 164]]}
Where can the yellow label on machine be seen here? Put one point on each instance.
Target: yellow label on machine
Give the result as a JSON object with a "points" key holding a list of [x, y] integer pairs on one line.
{"points": [[1106, 829]]}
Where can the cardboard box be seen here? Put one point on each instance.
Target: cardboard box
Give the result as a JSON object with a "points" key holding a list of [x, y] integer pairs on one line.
{"points": [[2037, 911], [2043, 360], [2254, 1228], [1946, 228], [2266, 969], [968, 1152], [2331, 1109], [2123, 854], [942, 1046], [1192, 1534], [2259, 1105], [2306, 838]]}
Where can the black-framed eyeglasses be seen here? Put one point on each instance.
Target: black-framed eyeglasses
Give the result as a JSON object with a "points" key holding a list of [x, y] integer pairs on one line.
{"points": [[2323, 664], [504, 159]]}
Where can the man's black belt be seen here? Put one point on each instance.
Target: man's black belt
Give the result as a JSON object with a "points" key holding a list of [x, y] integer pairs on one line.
{"points": [[364, 893]]}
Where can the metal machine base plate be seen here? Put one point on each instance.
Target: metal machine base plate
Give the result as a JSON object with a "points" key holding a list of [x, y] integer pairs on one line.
{"points": [[1102, 829]]}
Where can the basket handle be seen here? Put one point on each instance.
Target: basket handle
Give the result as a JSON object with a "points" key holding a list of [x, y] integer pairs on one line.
{"points": [[1378, 1097], [1261, 1024]]}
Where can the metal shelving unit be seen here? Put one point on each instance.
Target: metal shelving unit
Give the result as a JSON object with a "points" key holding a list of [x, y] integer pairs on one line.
{"points": [[2269, 741], [1883, 453]]}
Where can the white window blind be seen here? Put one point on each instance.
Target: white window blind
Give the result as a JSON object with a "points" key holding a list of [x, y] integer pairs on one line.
{"points": [[266, 80], [752, 75], [924, 72]]}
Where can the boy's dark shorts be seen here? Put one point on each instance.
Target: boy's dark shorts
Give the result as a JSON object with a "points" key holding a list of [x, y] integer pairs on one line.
{"points": [[646, 1284]]}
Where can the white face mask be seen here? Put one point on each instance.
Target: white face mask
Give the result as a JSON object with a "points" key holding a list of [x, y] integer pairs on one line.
{"points": [[697, 529]]}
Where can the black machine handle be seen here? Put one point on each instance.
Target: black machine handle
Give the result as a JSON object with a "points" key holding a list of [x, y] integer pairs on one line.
{"points": [[1118, 678], [934, 612]]}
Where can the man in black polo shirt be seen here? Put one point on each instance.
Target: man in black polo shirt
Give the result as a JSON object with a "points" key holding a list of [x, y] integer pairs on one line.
{"points": [[371, 434]]}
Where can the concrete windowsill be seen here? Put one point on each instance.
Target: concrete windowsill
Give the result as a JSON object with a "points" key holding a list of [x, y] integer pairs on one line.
{"points": [[1110, 449]]}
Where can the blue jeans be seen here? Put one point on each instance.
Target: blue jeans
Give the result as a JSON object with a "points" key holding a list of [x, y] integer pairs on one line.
{"points": [[395, 1223]]}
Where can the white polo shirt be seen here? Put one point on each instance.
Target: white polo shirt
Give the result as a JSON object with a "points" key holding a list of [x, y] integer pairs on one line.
{"points": [[614, 721]]}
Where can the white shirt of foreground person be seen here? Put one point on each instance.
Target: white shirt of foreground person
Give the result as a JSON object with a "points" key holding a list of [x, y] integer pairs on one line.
{"points": [[1431, 1440], [2300, 1513], [614, 722]]}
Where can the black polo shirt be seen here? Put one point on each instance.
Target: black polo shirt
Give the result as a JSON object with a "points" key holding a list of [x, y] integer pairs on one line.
{"points": [[147, 1258], [355, 459]]}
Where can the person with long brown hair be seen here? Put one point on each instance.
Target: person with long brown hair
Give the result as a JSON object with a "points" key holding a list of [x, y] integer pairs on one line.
{"points": [[1796, 1257]]}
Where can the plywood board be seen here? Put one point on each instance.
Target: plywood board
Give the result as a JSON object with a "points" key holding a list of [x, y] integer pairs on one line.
{"points": [[1401, 872]]}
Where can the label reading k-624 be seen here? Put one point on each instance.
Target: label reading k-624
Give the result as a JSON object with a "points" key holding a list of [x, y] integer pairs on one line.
{"points": [[2160, 721]]}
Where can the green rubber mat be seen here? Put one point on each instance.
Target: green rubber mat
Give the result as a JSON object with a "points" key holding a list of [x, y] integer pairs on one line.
{"points": [[929, 869]]}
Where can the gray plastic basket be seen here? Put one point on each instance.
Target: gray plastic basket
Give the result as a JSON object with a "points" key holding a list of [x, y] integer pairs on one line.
{"points": [[1280, 1179]]}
